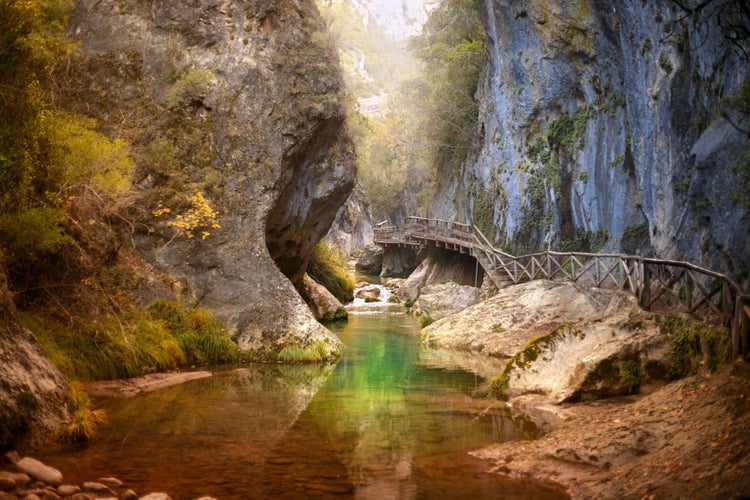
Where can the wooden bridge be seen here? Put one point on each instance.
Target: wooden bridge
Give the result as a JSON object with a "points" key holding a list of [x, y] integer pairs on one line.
{"points": [[657, 283]]}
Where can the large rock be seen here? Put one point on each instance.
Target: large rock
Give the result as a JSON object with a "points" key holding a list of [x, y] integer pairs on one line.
{"points": [[40, 471], [352, 230], [439, 301], [438, 267], [248, 96], [324, 305], [504, 324], [371, 260], [32, 389], [567, 341]]}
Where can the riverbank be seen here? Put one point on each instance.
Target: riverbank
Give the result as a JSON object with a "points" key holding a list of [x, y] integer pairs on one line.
{"points": [[130, 387], [688, 438]]}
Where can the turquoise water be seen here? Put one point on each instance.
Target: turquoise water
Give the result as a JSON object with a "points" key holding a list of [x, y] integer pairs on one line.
{"points": [[382, 423]]}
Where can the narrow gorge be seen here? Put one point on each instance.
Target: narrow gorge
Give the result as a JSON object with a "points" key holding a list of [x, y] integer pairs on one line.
{"points": [[193, 189]]}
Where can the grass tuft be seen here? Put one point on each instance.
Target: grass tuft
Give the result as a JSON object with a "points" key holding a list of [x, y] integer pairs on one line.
{"points": [[85, 418]]}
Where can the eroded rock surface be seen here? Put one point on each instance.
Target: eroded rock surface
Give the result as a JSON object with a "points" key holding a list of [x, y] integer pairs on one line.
{"points": [[440, 301], [32, 389], [248, 101], [504, 324]]}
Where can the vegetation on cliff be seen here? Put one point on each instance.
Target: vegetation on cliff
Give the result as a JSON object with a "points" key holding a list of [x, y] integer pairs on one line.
{"points": [[65, 187], [427, 127]]}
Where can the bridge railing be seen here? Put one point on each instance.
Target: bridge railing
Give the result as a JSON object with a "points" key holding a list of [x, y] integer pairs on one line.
{"points": [[657, 283], [438, 229]]}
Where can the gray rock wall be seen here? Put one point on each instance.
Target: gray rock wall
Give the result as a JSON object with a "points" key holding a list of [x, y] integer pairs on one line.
{"points": [[598, 124], [258, 118]]}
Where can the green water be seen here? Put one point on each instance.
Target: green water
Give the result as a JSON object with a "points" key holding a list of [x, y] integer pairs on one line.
{"points": [[382, 423]]}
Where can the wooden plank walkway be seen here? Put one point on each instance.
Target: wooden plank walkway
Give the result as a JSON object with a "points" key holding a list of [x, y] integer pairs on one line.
{"points": [[657, 283]]}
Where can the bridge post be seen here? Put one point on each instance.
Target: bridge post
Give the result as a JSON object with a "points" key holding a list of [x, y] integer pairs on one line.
{"points": [[741, 328], [644, 297]]}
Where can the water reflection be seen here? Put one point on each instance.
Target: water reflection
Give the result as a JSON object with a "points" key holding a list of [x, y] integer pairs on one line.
{"points": [[378, 425]]}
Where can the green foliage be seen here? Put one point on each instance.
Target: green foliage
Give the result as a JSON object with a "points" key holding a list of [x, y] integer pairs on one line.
{"points": [[386, 60], [696, 345], [425, 320], [330, 268], [164, 337], [295, 353], [85, 418], [190, 86], [452, 52], [499, 387], [630, 375], [198, 333]]}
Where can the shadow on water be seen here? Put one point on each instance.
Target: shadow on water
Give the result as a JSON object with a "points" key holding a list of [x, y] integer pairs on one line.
{"points": [[380, 424]]}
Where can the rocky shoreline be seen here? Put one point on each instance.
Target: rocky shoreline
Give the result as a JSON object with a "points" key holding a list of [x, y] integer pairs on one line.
{"points": [[34, 480]]}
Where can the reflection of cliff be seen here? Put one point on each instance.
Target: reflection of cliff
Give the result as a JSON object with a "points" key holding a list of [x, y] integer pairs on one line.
{"points": [[599, 129], [206, 437], [247, 99]]}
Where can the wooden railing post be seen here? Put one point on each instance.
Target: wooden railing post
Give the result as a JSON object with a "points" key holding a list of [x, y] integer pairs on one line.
{"points": [[645, 295]]}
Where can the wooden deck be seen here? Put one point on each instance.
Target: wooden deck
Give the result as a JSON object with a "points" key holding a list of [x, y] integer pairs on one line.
{"points": [[657, 283]]}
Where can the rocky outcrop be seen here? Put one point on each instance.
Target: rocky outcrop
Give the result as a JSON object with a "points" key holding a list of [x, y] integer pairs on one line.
{"points": [[398, 262], [243, 101], [504, 324], [371, 260], [32, 389], [593, 361], [439, 301], [600, 128], [322, 303], [352, 229], [439, 267], [565, 340]]}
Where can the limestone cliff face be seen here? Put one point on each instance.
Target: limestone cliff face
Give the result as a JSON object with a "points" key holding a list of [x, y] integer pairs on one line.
{"points": [[599, 129], [244, 96]]}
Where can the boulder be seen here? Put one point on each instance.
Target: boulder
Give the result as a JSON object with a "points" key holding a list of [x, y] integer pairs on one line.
{"points": [[504, 324], [565, 340], [40, 471], [371, 261], [323, 304], [590, 361], [439, 301], [369, 294]]}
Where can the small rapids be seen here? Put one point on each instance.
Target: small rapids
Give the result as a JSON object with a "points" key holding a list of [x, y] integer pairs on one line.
{"points": [[373, 298]]}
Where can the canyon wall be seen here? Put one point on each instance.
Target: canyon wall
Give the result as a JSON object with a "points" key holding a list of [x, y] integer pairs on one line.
{"points": [[600, 129], [238, 101]]}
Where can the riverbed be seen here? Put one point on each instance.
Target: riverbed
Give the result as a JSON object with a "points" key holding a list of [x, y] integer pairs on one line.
{"points": [[389, 420]]}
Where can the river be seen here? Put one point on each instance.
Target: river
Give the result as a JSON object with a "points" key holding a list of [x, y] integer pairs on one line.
{"points": [[387, 421]]}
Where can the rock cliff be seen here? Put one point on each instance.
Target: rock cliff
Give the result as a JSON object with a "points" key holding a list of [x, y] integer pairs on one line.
{"points": [[600, 129], [239, 101], [32, 390]]}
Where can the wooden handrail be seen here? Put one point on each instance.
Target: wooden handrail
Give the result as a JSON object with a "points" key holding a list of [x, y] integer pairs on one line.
{"points": [[650, 280]]}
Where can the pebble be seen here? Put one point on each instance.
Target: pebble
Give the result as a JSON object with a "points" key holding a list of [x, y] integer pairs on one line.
{"points": [[47, 484]]}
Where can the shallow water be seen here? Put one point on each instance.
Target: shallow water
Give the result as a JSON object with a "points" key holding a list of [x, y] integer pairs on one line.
{"points": [[383, 423]]}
